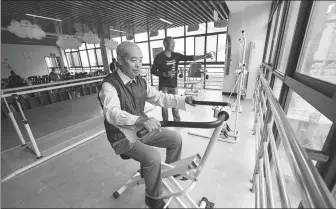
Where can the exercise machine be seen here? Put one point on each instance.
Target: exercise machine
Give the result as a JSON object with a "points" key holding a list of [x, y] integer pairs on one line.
{"points": [[195, 79], [228, 134], [189, 168]]}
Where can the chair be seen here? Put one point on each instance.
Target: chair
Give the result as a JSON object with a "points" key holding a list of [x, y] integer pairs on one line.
{"points": [[45, 99], [34, 102], [195, 79]]}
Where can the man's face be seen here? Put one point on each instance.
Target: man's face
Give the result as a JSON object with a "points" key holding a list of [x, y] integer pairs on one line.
{"points": [[170, 45], [132, 61]]}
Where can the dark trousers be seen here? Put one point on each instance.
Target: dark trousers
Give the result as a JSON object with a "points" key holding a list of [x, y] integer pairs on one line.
{"points": [[175, 111]]}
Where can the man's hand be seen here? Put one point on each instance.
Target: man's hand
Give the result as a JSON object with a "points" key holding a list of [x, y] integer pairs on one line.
{"points": [[210, 55], [152, 125], [189, 100]]}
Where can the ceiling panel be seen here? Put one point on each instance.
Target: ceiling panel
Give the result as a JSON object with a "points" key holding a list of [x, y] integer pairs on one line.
{"points": [[114, 13]]}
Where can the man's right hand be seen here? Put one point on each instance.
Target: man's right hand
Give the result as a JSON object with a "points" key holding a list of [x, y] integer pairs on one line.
{"points": [[151, 124]]}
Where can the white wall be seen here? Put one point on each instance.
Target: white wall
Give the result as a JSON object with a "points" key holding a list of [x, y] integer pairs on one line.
{"points": [[253, 20], [25, 66]]}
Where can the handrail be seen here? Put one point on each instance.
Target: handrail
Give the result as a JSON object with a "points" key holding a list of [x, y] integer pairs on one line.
{"points": [[51, 84], [50, 88], [314, 192]]}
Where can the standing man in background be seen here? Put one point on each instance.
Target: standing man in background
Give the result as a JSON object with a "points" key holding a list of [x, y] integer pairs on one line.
{"points": [[113, 65], [165, 66]]}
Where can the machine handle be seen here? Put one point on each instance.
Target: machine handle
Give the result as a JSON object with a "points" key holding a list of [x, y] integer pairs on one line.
{"points": [[222, 116]]}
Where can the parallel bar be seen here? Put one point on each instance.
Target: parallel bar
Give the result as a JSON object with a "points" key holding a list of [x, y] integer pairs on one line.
{"points": [[268, 175], [278, 170], [262, 184]]}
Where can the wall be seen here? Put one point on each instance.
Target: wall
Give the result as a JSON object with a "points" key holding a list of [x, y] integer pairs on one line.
{"points": [[25, 66], [253, 20]]}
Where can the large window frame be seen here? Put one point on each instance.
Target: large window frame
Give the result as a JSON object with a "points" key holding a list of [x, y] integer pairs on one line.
{"points": [[70, 59], [319, 94]]}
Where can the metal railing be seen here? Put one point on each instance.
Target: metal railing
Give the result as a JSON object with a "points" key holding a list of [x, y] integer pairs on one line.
{"points": [[313, 191]]}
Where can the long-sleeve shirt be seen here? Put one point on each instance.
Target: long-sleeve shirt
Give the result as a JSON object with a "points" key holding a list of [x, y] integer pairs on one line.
{"points": [[164, 65], [124, 120]]}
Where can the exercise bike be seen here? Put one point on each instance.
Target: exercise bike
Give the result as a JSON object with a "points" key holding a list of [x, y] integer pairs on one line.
{"points": [[189, 168]]}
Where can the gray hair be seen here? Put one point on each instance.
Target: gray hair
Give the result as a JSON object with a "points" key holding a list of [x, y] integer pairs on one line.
{"points": [[121, 53]]}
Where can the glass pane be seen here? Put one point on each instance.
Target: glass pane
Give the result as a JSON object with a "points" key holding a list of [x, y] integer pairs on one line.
{"points": [[48, 61], [277, 87], [145, 53], [179, 45], [212, 29], [288, 34], [199, 44], [175, 32], [84, 58], [270, 36], [280, 13], [211, 46], [201, 30], [76, 59], [318, 56], [90, 46], [114, 53], [92, 57], [70, 59], [221, 48], [82, 47], [117, 39], [64, 60], [68, 50], [190, 45], [161, 35], [310, 126], [99, 57], [141, 37], [155, 44], [109, 55]]}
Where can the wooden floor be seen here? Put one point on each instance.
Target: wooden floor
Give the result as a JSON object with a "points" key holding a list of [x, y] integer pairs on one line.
{"points": [[87, 175]]}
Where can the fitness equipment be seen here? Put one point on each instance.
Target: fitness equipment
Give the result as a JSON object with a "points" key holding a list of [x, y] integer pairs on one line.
{"points": [[190, 168], [227, 133], [196, 76]]}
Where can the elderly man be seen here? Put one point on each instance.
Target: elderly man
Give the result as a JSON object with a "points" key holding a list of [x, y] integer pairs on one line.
{"points": [[166, 67], [123, 96]]}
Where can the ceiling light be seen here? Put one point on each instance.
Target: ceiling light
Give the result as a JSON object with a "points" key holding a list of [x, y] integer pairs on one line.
{"points": [[166, 21], [43, 17], [118, 31]]}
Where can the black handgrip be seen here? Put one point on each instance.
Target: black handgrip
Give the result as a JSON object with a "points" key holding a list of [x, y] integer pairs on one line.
{"points": [[222, 116], [211, 103]]}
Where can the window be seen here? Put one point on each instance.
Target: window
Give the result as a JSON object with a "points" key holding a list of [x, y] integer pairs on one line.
{"points": [[175, 32], [190, 45], [138, 37], [99, 57], [53, 62], [212, 29], [318, 55], [161, 35], [310, 126], [288, 34], [277, 87], [92, 57], [199, 45], [221, 47], [155, 44], [279, 13], [211, 46], [179, 45], [270, 37], [109, 55], [88, 56], [144, 49], [201, 30], [84, 58]]}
